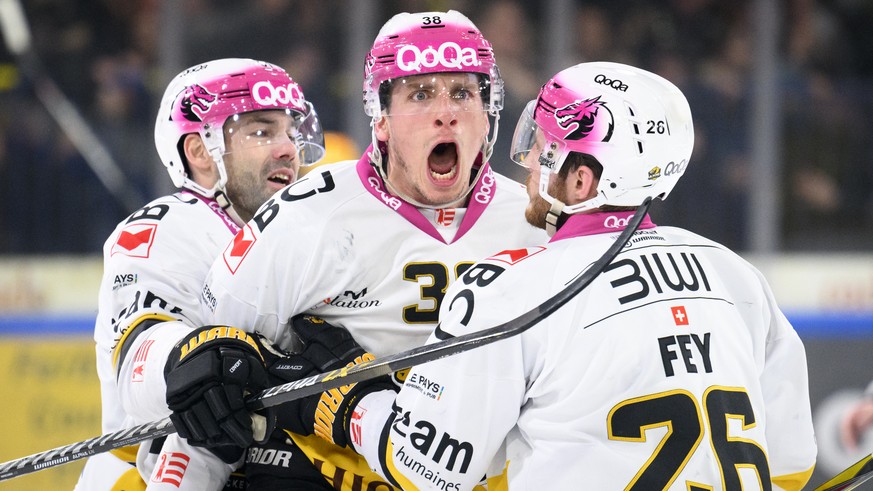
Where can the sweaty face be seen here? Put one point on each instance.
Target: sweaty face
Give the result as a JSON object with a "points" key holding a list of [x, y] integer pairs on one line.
{"points": [[260, 159], [435, 128]]}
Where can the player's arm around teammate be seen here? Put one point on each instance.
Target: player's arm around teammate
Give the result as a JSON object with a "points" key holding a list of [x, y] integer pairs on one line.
{"points": [[675, 369], [231, 133], [371, 245]]}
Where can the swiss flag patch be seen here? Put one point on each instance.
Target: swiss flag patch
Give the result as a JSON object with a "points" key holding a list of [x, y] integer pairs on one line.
{"points": [[135, 240], [239, 247], [514, 256], [142, 355], [679, 315]]}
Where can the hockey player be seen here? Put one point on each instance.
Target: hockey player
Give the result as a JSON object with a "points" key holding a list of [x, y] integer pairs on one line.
{"points": [[674, 369], [373, 244], [231, 132]]}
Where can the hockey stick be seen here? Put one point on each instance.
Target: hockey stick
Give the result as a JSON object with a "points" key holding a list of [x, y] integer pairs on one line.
{"points": [[16, 35], [856, 475], [338, 378]]}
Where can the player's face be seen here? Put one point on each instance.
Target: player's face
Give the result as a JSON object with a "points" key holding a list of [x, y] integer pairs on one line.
{"points": [[435, 128], [260, 159]]}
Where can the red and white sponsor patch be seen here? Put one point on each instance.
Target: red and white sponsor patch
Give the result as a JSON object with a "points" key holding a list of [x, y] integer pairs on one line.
{"points": [[680, 317], [171, 468], [514, 256], [135, 240], [355, 425], [139, 361], [239, 247], [445, 217]]}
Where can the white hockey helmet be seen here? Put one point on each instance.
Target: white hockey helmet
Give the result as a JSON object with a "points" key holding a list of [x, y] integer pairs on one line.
{"points": [[635, 123], [431, 42], [204, 97]]}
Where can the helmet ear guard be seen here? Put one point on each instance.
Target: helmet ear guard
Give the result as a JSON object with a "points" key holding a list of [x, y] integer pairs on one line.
{"points": [[202, 98], [636, 124]]}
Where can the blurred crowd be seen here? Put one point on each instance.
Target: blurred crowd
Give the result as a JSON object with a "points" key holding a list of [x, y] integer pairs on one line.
{"points": [[106, 56]]}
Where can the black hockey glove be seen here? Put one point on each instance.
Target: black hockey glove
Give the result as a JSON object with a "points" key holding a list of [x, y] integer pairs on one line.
{"points": [[208, 374], [327, 414]]}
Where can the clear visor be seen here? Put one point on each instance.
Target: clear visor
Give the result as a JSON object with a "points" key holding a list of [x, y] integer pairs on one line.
{"points": [[438, 92], [277, 127], [529, 141]]}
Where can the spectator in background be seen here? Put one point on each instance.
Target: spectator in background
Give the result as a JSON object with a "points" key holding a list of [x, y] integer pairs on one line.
{"points": [[510, 30]]}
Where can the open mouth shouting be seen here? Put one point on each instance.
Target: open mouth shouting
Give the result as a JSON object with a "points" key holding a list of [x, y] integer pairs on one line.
{"points": [[442, 163]]}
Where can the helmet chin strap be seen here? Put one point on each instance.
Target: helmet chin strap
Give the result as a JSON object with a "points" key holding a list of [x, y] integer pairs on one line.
{"points": [[220, 195], [225, 204], [553, 216]]}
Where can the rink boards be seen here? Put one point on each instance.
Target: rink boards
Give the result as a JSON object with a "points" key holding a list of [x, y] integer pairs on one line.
{"points": [[48, 379]]}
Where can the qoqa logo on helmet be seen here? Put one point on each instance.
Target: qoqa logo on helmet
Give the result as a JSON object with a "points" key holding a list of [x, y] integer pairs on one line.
{"points": [[674, 168], [614, 83], [449, 55], [613, 221], [266, 94]]}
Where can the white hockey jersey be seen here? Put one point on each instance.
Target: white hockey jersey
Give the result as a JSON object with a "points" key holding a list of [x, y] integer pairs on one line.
{"points": [[154, 266], [337, 245], [674, 370]]}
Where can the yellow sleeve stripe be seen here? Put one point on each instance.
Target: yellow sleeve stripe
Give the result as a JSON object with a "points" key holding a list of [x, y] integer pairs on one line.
{"points": [[793, 482], [127, 454], [394, 474], [119, 347]]}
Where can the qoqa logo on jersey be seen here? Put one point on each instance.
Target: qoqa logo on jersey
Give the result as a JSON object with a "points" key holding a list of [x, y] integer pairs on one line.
{"points": [[484, 194], [266, 94], [613, 221], [449, 55]]}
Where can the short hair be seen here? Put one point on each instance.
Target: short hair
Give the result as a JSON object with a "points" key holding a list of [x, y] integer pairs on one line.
{"points": [[575, 160]]}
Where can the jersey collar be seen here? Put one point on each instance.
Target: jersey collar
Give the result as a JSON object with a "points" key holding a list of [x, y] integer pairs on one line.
{"points": [[481, 195], [598, 223], [217, 209]]}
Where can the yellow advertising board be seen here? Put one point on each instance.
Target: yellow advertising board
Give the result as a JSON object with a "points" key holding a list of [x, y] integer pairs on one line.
{"points": [[51, 397]]}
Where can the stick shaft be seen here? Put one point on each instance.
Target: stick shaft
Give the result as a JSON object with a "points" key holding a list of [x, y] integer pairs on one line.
{"points": [[337, 378]]}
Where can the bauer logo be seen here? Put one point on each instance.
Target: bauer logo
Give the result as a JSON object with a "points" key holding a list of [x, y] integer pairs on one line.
{"points": [[239, 248], [266, 94], [447, 55]]}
